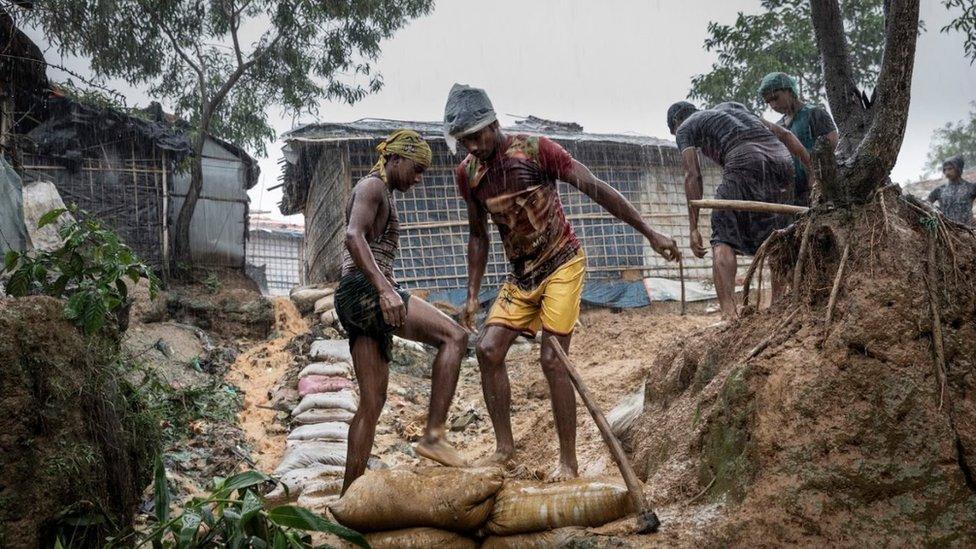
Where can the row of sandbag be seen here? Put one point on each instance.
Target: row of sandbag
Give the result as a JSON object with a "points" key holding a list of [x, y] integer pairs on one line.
{"points": [[315, 453], [450, 507], [317, 301]]}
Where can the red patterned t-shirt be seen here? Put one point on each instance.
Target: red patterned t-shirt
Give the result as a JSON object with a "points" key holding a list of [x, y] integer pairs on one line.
{"points": [[518, 189]]}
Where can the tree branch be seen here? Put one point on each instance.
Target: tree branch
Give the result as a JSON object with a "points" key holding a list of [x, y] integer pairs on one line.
{"points": [[235, 23], [176, 46], [842, 92], [884, 137]]}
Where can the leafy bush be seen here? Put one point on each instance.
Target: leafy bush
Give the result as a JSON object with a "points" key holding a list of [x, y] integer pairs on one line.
{"points": [[89, 269], [234, 515]]}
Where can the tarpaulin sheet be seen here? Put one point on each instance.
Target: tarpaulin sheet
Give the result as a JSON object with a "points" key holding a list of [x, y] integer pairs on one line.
{"points": [[13, 233], [617, 294]]}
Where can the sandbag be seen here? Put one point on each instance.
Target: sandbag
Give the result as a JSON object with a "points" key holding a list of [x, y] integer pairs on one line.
{"points": [[306, 453], [345, 400], [319, 415], [322, 384], [330, 350], [329, 318], [551, 539], [419, 538], [435, 497], [527, 506], [334, 369], [327, 303], [321, 431], [305, 297], [623, 415], [298, 480]]}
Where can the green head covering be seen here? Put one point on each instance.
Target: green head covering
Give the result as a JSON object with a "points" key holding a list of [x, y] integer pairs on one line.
{"points": [[405, 143], [778, 81]]}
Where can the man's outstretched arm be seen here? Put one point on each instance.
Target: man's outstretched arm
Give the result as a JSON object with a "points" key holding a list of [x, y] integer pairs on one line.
{"points": [[613, 202], [478, 244], [367, 200]]}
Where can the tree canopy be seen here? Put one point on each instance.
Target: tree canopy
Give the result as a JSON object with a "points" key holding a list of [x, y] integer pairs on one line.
{"points": [[955, 138]]}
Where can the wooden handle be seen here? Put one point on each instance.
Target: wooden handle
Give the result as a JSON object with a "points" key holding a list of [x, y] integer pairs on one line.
{"points": [[748, 206], [616, 450]]}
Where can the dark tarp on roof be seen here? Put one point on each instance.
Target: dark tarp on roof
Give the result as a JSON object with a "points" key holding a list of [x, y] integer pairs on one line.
{"points": [[73, 129]]}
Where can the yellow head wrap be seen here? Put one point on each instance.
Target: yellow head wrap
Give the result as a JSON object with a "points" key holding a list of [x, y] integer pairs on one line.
{"points": [[405, 143]]}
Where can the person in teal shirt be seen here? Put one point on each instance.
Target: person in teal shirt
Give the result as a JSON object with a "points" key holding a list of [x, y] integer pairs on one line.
{"points": [[807, 122]]}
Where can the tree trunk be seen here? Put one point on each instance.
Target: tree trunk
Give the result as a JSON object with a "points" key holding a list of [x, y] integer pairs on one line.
{"points": [[181, 242]]}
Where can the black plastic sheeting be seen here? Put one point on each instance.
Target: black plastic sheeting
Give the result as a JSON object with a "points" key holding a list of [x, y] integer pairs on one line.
{"points": [[74, 131]]}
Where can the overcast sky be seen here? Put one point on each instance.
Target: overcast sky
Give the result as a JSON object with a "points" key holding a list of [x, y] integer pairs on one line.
{"points": [[611, 66]]}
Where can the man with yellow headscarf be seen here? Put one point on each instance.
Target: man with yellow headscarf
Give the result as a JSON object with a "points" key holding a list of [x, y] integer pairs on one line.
{"points": [[372, 307]]}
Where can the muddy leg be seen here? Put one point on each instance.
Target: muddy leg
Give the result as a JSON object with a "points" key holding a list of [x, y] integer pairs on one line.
{"points": [[563, 406], [372, 373], [492, 349], [723, 272], [426, 324]]}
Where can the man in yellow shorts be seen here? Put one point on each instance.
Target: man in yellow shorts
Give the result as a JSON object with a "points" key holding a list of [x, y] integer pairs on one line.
{"points": [[513, 179]]}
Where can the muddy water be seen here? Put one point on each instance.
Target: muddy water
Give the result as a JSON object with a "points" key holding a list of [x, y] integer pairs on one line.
{"points": [[255, 372]]}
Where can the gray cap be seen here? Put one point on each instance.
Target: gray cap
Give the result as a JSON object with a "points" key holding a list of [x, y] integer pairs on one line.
{"points": [[467, 111]]}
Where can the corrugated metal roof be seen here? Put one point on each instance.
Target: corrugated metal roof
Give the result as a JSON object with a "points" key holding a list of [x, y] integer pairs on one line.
{"points": [[372, 128]]}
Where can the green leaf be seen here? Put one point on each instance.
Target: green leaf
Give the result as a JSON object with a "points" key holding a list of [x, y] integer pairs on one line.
{"points": [[10, 260], [74, 306], [19, 283], [251, 506], [243, 480], [190, 525], [56, 289], [160, 491], [93, 315], [280, 542], [50, 217], [300, 518], [122, 288]]}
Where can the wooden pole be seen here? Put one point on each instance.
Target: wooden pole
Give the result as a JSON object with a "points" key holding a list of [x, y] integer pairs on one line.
{"points": [[748, 206], [646, 518]]}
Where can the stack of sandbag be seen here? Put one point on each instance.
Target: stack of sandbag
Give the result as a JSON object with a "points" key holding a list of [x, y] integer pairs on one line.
{"points": [[315, 455], [429, 507], [311, 299], [534, 514]]}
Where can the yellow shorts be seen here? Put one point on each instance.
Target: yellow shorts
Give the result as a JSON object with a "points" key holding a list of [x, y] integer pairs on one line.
{"points": [[553, 306]]}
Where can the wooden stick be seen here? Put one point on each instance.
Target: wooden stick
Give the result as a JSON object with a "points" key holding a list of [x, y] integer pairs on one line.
{"points": [[681, 274], [748, 206], [837, 278], [645, 514]]}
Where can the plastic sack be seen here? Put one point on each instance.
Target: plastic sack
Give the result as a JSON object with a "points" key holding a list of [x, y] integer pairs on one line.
{"points": [[551, 539], [298, 480], [419, 538], [334, 369], [327, 303], [306, 453], [526, 506], [305, 297], [318, 415], [459, 500], [330, 350], [345, 400], [321, 431], [322, 384], [624, 414]]}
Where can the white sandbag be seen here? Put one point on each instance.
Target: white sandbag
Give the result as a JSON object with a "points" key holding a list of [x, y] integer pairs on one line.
{"points": [[329, 318], [305, 297], [527, 506], [318, 415], [299, 480], [307, 453], [623, 415], [330, 350], [320, 431], [339, 369], [414, 346], [327, 303], [41, 197], [345, 400]]}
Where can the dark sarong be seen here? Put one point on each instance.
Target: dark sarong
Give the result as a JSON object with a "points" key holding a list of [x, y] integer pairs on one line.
{"points": [[357, 305], [756, 170]]}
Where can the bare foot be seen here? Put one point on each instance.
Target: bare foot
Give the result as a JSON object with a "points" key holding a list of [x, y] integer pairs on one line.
{"points": [[500, 458], [437, 449], [562, 473]]}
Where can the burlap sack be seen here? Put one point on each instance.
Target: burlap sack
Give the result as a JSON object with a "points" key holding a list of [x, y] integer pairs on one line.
{"points": [[340, 369], [526, 506], [459, 500], [318, 415], [551, 539], [419, 538], [345, 400], [336, 431]]}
